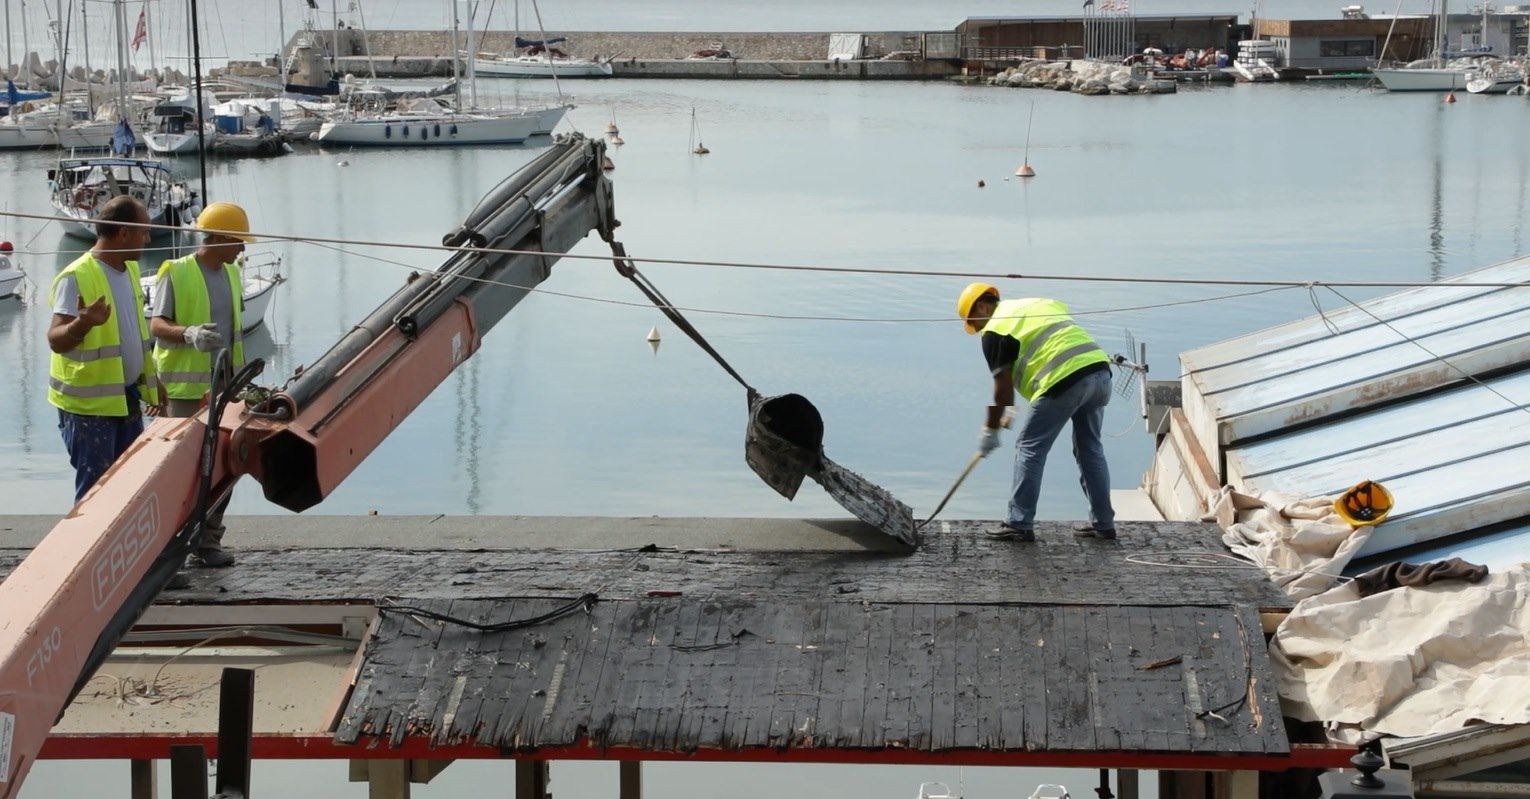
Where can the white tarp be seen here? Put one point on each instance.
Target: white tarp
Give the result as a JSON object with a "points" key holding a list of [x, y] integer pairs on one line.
{"points": [[1409, 661], [1300, 542], [844, 46]]}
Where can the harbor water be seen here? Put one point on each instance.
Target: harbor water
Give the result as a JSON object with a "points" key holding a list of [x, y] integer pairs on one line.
{"points": [[567, 411]]}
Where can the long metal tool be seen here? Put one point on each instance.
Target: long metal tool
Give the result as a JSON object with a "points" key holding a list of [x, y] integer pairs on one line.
{"points": [[972, 464]]}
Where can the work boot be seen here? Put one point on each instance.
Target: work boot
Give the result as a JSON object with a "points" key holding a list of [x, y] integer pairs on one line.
{"points": [[212, 559], [1008, 532], [1087, 530]]}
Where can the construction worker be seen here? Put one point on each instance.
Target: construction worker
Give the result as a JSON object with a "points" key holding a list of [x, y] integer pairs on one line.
{"points": [[100, 376], [1033, 347], [198, 304]]}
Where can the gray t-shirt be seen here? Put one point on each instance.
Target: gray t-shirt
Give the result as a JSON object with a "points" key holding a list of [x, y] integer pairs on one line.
{"points": [[124, 312], [219, 300]]}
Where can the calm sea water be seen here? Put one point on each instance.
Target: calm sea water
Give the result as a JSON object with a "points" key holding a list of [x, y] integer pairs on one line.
{"points": [[566, 411]]}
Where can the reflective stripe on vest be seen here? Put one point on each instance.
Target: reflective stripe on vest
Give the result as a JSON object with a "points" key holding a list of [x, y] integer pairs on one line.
{"points": [[1052, 345], [187, 371], [88, 380]]}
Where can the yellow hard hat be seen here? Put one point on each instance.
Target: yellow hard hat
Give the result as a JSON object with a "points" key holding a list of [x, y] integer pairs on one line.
{"points": [[228, 218], [970, 295], [1364, 504]]}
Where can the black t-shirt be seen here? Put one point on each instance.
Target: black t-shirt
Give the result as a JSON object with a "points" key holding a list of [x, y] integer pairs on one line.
{"points": [[1001, 351]]}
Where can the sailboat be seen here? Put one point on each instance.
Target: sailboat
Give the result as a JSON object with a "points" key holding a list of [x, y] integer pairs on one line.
{"points": [[425, 122], [698, 147], [538, 58], [1433, 74], [78, 187]]}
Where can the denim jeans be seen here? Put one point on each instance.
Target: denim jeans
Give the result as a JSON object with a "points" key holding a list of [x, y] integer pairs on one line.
{"points": [[1083, 403], [96, 442]]}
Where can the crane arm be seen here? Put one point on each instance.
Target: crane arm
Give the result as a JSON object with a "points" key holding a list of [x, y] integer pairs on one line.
{"points": [[79, 591]]}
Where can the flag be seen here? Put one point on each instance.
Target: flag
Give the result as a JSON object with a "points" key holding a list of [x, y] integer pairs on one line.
{"points": [[143, 27], [1088, 3]]}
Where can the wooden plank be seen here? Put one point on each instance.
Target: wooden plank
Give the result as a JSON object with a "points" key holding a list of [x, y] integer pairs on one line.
{"points": [[856, 677], [903, 648], [606, 708], [992, 694], [834, 664], [953, 688], [881, 623], [677, 708], [922, 643], [573, 710], [1038, 638], [716, 683]]}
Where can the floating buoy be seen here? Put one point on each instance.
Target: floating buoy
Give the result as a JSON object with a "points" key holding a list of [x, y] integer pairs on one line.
{"points": [[981, 184], [653, 333], [617, 141], [1006, 178], [1025, 171], [607, 164], [344, 162], [611, 129], [701, 149], [1450, 98]]}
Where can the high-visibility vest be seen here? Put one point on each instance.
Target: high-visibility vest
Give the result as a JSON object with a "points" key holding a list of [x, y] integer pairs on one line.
{"points": [[1052, 345], [186, 371], [88, 380]]}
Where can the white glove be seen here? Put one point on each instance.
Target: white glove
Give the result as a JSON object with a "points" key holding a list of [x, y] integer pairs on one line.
{"points": [[205, 338], [989, 442]]}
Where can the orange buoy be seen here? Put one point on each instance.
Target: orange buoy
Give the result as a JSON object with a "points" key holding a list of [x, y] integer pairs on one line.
{"points": [[1025, 171], [1450, 98]]}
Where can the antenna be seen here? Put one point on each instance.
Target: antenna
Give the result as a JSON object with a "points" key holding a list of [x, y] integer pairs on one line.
{"points": [[1130, 369]]}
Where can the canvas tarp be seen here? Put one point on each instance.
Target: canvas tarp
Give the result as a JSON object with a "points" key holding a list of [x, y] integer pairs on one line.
{"points": [[1300, 542], [1408, 661]]}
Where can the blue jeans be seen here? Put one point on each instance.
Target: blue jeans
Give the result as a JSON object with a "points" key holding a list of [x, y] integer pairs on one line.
{"points": [[96, 442], [1083, 403]]}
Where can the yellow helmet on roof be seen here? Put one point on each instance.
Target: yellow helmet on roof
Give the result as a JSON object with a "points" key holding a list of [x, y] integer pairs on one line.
{"points": [[1364, 504], [970, 295]]}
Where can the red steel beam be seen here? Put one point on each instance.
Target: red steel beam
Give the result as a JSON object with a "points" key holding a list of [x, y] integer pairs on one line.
{"points": [[134, 746]]}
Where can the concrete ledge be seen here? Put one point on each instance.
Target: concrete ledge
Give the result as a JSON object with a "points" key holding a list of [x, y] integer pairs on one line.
{"points": [[739, 69]]}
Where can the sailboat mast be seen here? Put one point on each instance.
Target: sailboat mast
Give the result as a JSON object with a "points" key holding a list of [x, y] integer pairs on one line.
{"points": [[472, 50], [122, 61], [148, 33], [90, 94], [8, 61], [451, 9], [281, 37], [196, 73], [26, 49]]}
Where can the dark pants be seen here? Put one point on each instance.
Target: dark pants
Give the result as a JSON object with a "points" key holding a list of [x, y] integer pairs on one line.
{"points": [[96, 442]]}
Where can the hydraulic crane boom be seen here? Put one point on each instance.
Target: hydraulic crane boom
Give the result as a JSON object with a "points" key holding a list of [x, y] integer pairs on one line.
{"points": [[68, 604]]}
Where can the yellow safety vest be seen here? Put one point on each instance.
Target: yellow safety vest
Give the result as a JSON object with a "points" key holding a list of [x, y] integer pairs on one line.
{"points": [[89, 379], [186, 371], [1052, 345]]}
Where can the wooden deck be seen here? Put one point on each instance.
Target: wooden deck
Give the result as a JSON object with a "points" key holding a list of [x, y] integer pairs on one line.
{"points": [[801, 640]]}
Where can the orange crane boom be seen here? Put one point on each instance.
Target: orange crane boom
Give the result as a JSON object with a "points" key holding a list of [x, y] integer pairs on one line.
{"points": [[85, 585]]}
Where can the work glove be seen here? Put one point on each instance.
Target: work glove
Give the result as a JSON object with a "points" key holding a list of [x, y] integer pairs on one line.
{"points": [[989, 442], [205, 338]]}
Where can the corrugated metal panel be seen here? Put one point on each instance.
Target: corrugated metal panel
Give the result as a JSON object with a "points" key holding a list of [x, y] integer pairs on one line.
{"points": [[1454, 462], [1497, 551], [1298, 372]]}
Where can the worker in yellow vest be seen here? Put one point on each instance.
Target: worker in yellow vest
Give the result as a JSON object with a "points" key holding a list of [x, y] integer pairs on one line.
{"points": [[1034, 347], [100, 376], [198, 310]]}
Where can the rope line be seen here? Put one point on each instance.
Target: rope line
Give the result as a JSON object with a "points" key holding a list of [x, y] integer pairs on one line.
{"points": [[812, 268]]}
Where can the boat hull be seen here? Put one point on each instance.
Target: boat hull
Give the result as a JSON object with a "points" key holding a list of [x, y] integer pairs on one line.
{"points": [[1421, 80], [540, 68], [27, 137], [172, 143], [429, 132]]}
